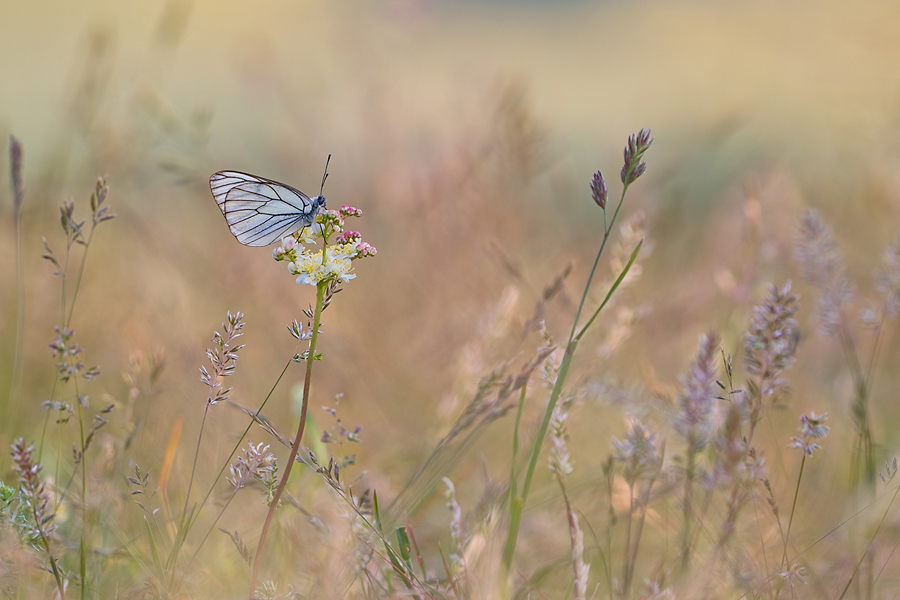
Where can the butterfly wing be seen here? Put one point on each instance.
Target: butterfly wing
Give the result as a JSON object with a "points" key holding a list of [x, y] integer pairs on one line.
{"points": [[260, 211]]}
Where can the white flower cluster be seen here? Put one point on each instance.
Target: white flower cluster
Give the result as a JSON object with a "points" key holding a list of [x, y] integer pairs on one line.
{"points": [[334, 263]]}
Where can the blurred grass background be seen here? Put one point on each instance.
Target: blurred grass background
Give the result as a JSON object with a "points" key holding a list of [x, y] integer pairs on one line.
{"points": [[467, 132]]}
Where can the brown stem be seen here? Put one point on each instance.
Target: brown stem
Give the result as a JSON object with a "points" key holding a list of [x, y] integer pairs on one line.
{"points": [[295, 447]]}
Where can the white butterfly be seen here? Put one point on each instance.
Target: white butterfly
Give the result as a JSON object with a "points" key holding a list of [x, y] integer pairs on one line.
{"points": [[260, 211]]}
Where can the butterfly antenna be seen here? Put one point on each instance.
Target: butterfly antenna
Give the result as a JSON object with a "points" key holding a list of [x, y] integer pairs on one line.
{"points": [[325, 176]]}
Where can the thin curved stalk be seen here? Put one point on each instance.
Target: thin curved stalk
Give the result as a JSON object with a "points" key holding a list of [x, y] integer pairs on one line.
{"points": [[295, 447]]}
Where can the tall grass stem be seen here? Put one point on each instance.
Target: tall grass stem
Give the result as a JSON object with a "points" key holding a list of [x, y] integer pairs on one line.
{"points": [[516, 508]]}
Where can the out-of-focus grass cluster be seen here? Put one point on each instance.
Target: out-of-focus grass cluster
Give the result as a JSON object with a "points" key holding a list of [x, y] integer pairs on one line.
{"points": [[724, 427]]}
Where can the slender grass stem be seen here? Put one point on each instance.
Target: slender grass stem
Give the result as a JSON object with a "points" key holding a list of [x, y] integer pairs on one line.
{"points": [[187, 496], [513, 482], [54, 567], [860, 408], [640, 529], [869, 545], [82, 558], [587, 287], [62, 308], [888, 558], [787, 537], [240, 441], [612, 290], [203, 541], [44, 430], [87, 246], [626, 564], [517, 508], [688, 511], [608, 567], [218, 476]]}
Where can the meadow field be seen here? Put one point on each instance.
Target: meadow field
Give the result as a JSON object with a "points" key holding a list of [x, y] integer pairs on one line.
{"points": [[625, 327]]}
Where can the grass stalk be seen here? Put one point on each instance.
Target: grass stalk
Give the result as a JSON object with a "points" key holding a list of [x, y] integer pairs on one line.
{"points": [[787, 536], [626, 564], [78, 278], [54, 566], [82, 558], [634, 167], [517, 507], [187, 495], [238, 444], [688, 511]]}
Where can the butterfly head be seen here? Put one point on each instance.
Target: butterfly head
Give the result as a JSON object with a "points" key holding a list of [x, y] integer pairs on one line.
{"points": [[317, 205]]}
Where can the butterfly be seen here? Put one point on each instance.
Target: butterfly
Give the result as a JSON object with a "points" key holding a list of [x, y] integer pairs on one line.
{"points": [[260, 211]]}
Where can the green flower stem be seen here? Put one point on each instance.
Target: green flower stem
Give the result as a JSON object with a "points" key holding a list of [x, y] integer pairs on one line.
{"points": [[295, 447], [606, 230], [517, 506], [513, 484], [612, 290]]}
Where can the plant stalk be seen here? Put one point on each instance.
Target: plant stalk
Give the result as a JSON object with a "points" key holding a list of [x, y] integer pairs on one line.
{"points": [[295, 447], [517, 507]]}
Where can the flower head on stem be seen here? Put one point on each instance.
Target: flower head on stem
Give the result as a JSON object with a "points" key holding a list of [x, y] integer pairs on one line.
{"points": [[639, 452], [696, 417], [324, 269], [36, 499], [223, 357], [257, 464], [634, 165], [333, 262], [812, 427], [599, 191]]}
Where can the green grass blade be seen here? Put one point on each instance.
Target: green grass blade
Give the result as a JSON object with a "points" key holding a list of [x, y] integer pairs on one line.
{"points": [[612, 289]]}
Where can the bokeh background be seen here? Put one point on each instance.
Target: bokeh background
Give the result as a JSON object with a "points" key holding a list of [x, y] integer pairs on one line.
{"points": [[467, 132]]}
